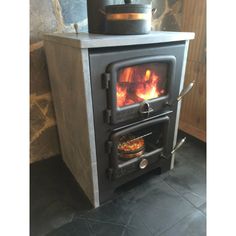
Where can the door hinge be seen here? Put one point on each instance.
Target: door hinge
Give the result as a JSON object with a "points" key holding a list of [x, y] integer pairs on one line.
{"points": [[110, 173], [107, 116], [109, 146], [106, 78]]}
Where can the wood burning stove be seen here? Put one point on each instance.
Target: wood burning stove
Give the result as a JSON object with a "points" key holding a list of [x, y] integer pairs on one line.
{"points": [[116, 103]]}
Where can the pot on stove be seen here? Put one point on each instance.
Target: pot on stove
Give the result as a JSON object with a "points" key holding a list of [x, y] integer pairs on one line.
{"points": [[128, 18]]}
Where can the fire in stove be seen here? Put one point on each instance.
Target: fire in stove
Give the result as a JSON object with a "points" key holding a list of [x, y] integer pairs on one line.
{"points": [[138, 83]]}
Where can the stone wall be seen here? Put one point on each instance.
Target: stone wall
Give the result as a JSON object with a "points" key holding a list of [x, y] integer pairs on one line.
{"points": [[59, 16]]}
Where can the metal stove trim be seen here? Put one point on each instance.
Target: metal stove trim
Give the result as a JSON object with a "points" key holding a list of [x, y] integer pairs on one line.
{"points": [[179, 103]]}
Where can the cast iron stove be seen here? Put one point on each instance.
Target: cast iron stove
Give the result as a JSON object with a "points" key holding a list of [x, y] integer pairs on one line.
{"points": [[117, 104]]}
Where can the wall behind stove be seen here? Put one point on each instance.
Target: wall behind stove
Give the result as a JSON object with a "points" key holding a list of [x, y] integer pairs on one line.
{"points": [[59, 16]]}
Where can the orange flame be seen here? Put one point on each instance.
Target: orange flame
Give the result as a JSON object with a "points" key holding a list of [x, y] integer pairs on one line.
{"points": [[126, 75], [136, 85], [149, 89], [147, 75], [121, 93]]}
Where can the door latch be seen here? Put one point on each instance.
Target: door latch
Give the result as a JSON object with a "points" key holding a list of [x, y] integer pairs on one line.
{"points": [[145, 109], [107, 116]]}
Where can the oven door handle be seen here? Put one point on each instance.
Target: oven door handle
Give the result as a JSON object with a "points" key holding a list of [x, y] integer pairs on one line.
{"points": [[177, 147], [185, 91]]}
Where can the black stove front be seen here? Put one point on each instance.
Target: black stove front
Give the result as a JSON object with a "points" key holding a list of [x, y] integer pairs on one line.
{"points": [[134, 92]]}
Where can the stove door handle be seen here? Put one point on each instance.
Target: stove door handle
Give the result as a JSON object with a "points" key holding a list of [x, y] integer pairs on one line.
{"points": [[147, 112], [182, 94], [179, 145], [145, 108], [186, 90]]}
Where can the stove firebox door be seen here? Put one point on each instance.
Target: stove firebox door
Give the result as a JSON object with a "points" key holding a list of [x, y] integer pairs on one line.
{"points": [[138, 87]]}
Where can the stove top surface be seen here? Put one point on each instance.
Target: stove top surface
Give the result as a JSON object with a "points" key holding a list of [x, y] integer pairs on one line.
{"points": [[86, 40]]}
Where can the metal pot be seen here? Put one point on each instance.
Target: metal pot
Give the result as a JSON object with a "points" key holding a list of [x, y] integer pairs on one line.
{"points": [[128, 18], [96, 20]]}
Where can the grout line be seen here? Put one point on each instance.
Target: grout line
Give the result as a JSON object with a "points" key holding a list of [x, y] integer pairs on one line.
{"points": [[202, 212], [181, 195], [201, 209], [103, 222], [90, 227], [146, 226], [178, 221], [126, 225]]}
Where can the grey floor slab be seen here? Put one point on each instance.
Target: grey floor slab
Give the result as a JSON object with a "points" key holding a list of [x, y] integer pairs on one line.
{"points": [[55, 197], [189, 175], [155, 209], [172, 204], [203, 207], [79, 227], [191, 225]]}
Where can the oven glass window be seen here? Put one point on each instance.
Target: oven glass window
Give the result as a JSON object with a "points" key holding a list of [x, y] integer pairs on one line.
{"points": [[138, 83], [141, 141]]}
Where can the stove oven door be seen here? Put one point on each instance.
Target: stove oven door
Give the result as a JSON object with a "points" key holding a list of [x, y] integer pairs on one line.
{"points": [[138, 87], [137, 147]]}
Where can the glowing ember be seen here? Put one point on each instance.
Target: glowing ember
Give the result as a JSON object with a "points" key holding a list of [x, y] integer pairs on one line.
{"points": [[136, 84]]}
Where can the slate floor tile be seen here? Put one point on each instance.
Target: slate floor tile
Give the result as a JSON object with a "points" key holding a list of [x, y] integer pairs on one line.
{"points": [[102, 229], [76, 228], [137, 226], [110, 213], [149, 211], [137, 231], [55, 197], [172, 204], [192, 225], [202, 208], [161, 208], [189, 175], [188, 185]]}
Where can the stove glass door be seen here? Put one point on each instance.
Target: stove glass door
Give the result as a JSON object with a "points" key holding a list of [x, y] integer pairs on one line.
{"points": [[139, 87], [139, 83]]}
